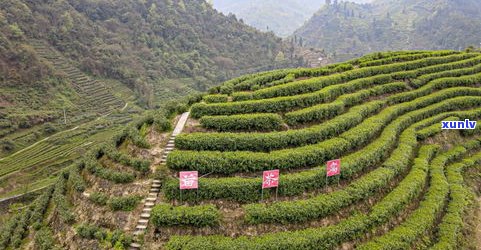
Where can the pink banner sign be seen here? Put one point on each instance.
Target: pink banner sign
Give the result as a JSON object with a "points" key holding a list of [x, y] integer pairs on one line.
{"points": [[270, 179], [333, 167], [189, 180]]}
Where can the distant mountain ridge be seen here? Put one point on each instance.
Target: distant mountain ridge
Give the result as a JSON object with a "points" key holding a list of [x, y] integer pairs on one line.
{"points": [[282, 17], [347, 29]]}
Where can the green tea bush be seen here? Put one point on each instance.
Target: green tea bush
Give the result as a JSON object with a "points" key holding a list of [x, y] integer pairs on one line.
{"points": [[124, 203], [316, 154], [198, 216], [250, 122], [108, 174], [60, 200], [215, 98], [99, 198]]}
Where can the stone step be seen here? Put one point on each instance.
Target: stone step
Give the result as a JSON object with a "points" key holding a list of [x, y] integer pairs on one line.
{"points": [[142, 221], [147, 210], [141, 227], [135, 245], [145, 215], [154, 190], [151, 199], [155, 185], [171, 141], [153, 195], [156, 181], [149, 204], [139, 232]]}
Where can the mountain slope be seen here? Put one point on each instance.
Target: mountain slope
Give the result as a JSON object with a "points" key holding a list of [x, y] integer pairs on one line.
{"points": [[97, 64], [140, 41], [403, 182], [281, 17], [142, 45], [353, 29]]}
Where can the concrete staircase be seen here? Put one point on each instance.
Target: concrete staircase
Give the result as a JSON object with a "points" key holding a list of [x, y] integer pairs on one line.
{"points": [[94, 93], [154, 192]]}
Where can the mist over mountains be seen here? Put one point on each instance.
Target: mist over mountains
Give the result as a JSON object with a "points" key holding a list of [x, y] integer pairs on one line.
{"points": [[281, 17]]}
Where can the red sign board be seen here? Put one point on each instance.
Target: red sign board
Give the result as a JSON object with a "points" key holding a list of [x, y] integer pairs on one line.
{"points": [[333, 168], [270, 179], [189, 180]]}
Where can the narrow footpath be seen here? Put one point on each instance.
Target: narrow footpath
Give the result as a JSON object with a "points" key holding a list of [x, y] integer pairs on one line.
{"points": [[151, 199]]}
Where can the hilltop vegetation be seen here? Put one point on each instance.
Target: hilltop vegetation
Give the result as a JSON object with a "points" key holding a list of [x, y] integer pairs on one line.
{"points": [[346, 29], [142, 42], [404, 182]]}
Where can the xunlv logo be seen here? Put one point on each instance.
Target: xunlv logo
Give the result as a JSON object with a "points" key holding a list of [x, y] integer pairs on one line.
{"points": [[466, 124]]}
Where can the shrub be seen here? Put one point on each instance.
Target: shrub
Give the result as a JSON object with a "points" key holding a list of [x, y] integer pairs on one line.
{"points": [[325, 204], [324, 111], [124, 203], [39, 207], [162, 124], [99, 198], [21, 229], [60, 201], [452, 223], [248, 189], [7, 145], [287, 103], [127, 160], [215, 98], [422, 218], [241, 96], [450, 70], [277, 140], [250, 122], [44, 239], [108, 174], [7, 230], [348, 229], [316, 154], [197, 216], [433, 129], [406, 57], [75, 181], [111, 239]]}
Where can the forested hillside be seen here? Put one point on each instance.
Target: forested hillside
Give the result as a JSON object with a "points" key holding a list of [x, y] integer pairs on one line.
{"points": [[140, 42], [347, 29], [86, 68], [152, 50]]}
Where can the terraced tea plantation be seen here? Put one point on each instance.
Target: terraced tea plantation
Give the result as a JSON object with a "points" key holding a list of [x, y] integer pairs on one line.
{"points": [[401, 187], [404, 183]]}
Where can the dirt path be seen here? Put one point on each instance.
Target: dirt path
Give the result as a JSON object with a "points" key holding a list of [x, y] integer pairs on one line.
{"points": [[126, 105]]}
